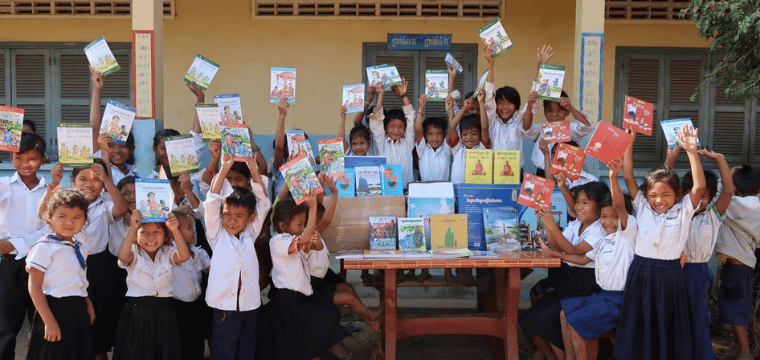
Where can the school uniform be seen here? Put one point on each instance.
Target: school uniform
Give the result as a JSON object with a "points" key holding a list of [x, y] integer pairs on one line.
{"points": [[577, 132], [65, 288], [115, 172], [297, 323], [509, 135], [20, 225], [193, 315], [458, 161], [148, 323], [320, 273], [655, 310], [233, 292], [435, 164], [584, 179], [395, 151]]}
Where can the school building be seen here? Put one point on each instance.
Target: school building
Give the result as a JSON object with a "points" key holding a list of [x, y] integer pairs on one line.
{"points": [[610, 49]]}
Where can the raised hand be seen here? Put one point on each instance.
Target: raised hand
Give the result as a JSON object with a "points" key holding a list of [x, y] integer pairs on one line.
{"points": [[282, 107], [196, 90], [565, 103], [532, 98], [710, 154], [310, 198], [615, 166], [400, 90], [136, 219], [543, 145], [57, 174], [544, 54], [215, 148], [100, 172], [172, 222], [422, 102], [561, 178], [104, 140], [185, 183], [688, 138], [97, 79]]}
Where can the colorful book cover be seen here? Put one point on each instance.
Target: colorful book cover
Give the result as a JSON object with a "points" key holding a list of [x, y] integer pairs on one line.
{"points": [[182, 155], [300, 177], [473, 198], [556, 131], [154, 198], [368, 181], [536, 192], [100, 56], [550, 78], [353, 98], [436, 85], [638, 115], [210, 117], [502, 229], [393, 183], [506, 166], [478, 166], [382, 233], [569, 159], [201, 72], [386, 74], [346, 183], [282, 85], [481, 84], [298, 145], [350, 162], [11, 123], [331, 156], [423, 207], [494, 35], [559, 213], [411, 234], [236, 141], [448, 231], [452, 61], [75, 144], [672, 130], [117, 121], [608, 142], [229, 108]]}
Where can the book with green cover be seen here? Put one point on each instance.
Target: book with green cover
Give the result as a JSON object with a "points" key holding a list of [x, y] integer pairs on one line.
{"points": [[201, 72], [436, 85], [550, 78], [182, 155], [448, 232], [300, 177], [494, 35], [100, 56], [331, 156], [411, 234], [209, 117], [74, 144], [387, 74]]}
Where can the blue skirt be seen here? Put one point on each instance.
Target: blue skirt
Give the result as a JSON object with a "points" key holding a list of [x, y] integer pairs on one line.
{"points": [[735, 297], [699, 282], [655, 314], [594, 315]]}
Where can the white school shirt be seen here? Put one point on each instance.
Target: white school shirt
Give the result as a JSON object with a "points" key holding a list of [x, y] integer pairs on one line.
{"points": [[577, 132], [115, 172], [592, 235], [614, 257], [64, 276], [458, 160], [118, 231], [504, 136], [740, 233], [234, 257], [662, 236], [584, 179], [146, 277], [395, 151], [289, 271], [703, 233], [435, 164], [99, 220], [186, 277], [319, 261], [19, 222]]}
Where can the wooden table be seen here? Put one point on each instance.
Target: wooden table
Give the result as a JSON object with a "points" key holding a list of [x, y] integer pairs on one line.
{"points": [[497, 314]]}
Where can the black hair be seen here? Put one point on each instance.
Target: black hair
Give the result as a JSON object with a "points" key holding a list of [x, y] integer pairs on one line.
{"points": [[628, 204], [435, 122], [130, 143], [70, 198], [510, 94], [597, 191], [242, 197], [360, 130], [470, 95], [662, 174], [241, 168], [747, 180], [125, 181], [32, 142], [160, 135], [393, 114], [548, 102], [76, 170], [470, 121], [711, 180], [285, 210], [607, 201], [31, 125]]}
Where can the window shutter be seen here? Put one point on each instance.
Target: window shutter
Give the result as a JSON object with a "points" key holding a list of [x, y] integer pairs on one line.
{"points": [[117, 85], [755, 155], [684, 77], [728, 133], [4, 100], [31, 94], [75, 88], [644, 83]]}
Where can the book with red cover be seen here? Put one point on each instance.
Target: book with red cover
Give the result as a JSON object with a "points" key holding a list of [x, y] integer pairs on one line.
{"points": [[536, 192], [638, 115], [556, 131], [569, 159], [608, 142]]}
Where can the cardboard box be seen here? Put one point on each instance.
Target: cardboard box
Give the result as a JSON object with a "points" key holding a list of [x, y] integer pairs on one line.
{"points": [[349, 229]]}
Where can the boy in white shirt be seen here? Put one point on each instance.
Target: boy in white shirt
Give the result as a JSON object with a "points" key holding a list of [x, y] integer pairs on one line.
{"points": [[433, 151], [473, 133], [393, 131]]}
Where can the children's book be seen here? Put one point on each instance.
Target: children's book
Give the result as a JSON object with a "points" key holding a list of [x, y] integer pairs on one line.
{"points": [[452, 61], [350, 254], [298, 145], [331, 156], [229, 108], [448, 231], [201, 72], [502, 229], [100, 56], [608, 142], [383, 254], [417, 254], [411, 234], [210, 117], [672, 130], [353, 98], [529, 219], [236, 142], [556, 131], [550, 78], [536, 192], [478, 166], [506, 166], [117, 121], [478, 254], [450, 254], [472, 199], [350, 162], [154, 198], [182, 155], [481, 84], [494, 35], [75, 144], [368, 181], [346, 183], [436, 85], [638, 115], [11, 123], [382, 233], [569, 159], [282, 85], [392, 181], [386, 74], [300, 177], [423, 207]]}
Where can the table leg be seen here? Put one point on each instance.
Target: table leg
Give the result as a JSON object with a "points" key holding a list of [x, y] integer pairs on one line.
{"points": [[389, 302], [511, 304], [496, 303]]}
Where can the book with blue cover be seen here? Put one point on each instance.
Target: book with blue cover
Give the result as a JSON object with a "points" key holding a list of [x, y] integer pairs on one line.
{"points": [[282, 85], [229, 107], [501, 228], [392, 181], [473, 198], [558, 209], [368, 181], [350, 162], [153, 197], [117, 121], [411, 234]]}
